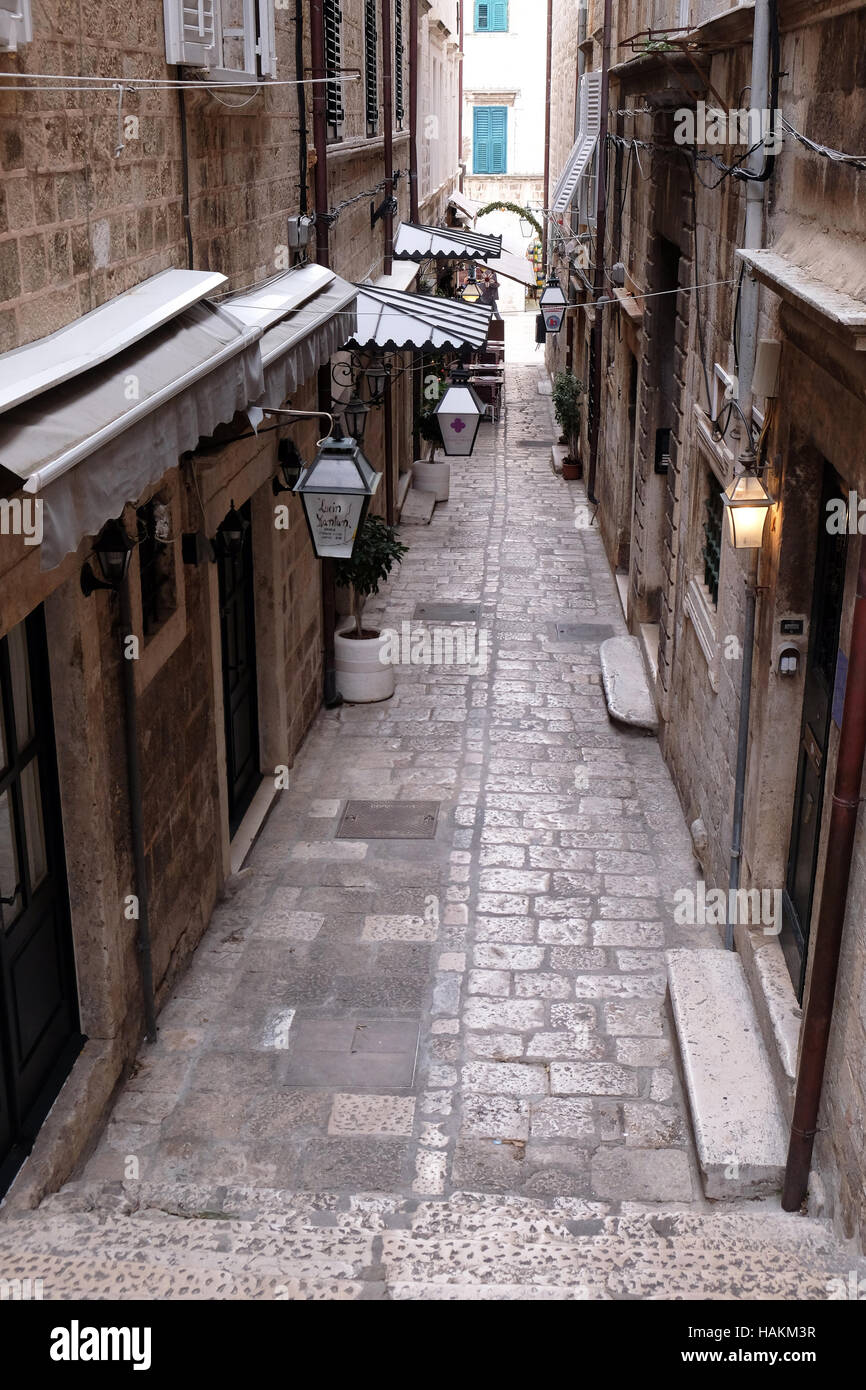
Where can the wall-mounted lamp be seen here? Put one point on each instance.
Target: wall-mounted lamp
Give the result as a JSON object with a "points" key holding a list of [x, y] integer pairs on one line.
{"points": [[355, 413], [336, 491], [553, 305], [112, 549], [230, 535], [291, 465], [746, 502], [471, 291], [459, 415], [789, 661]]}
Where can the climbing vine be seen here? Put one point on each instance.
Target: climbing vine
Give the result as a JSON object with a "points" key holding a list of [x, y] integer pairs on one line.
{"points": [[516, 209]]}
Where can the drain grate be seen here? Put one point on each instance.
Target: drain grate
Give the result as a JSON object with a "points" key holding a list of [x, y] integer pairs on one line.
{"points": [[389, 820], [581, 632], [447, 612]]}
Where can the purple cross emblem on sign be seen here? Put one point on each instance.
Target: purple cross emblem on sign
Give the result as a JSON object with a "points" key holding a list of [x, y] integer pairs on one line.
{"points": [[458, 425]]}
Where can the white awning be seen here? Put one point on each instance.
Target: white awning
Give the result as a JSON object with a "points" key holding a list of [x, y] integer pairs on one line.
{"points": [[293, 348], [589, 109], [415, 243], [513, 268], [467, 206], [101, 334], [137, 414], [392, 319]]}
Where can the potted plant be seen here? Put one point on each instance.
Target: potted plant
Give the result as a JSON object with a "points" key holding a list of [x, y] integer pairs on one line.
{"points": [[362, 675], [428, 475], [567, 405]]}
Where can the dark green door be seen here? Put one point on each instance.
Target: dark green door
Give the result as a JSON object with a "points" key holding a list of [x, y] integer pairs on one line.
{"points": [[39, 1030], [827, 595], [240, 691]]}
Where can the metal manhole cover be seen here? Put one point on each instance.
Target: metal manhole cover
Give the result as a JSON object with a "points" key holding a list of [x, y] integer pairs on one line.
{"points": [[447, 612], [389, 820], [582, 632], [535, 443]]}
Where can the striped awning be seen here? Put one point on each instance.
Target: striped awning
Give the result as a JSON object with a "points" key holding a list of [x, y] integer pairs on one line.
{"points": [[392, 320], [413, 242]]}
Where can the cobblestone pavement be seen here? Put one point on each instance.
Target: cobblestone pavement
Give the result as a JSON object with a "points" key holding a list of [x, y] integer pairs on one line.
{"points": [[439, 1069], [484, 1010]]}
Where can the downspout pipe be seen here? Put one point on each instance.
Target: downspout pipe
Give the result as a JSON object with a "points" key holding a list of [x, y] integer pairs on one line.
{"points": [[547, 83], [834, 900], [413, 109], [388, 124], [598, 277], [136, 820], [753, 238], [461, 5], [330, 695]]}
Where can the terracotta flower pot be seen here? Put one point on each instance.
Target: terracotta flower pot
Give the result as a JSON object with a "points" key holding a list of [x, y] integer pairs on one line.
{"points": [[571, 469]]}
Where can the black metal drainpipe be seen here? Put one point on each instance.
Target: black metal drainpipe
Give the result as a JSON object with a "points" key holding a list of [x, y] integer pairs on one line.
{"points": [[133, 780], [598, 278], [184, 166], [302, 106]]}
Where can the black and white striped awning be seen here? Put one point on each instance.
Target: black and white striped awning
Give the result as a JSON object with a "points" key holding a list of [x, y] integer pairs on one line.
{"points": [[413, 242], [392, 320]]}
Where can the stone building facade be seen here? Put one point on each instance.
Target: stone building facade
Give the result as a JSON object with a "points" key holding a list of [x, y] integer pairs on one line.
{"points": [[671, 439], [183, 173]]}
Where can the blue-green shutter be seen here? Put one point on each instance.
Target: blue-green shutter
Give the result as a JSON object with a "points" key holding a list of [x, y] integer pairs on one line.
{"points": [[481, 140], [498, 139], [499, 15], [482, 14]]}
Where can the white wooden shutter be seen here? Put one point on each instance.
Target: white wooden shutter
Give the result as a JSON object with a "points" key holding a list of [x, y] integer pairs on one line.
{"points": [[267, 39], [237, 29], [589, 105], [191, 34]]}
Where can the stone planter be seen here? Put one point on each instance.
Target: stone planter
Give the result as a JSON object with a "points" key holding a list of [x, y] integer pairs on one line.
{"points": [[432, 477], [362, 677]]}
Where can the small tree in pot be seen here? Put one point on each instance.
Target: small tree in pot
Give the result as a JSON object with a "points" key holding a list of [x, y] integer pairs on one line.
{"points": [[377, 551], [567, 404]]}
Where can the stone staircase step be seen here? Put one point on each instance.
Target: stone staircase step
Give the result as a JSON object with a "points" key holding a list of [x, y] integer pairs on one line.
{"points": [[418, 508], [738, 1126], [629, 698]]}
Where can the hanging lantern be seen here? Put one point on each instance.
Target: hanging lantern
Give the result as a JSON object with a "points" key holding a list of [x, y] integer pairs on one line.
{"points": [[746, 502], [336, 491], [355, 414], [471, 291], [377, 375], [290, 463], [459, 415], [553, 305], [112, 549], [230, 535]]}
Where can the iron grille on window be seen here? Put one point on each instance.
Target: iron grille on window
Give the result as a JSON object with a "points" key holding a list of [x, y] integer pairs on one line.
{"points": [[712, 548], [371, 75], [333, 17], [398, 62]]}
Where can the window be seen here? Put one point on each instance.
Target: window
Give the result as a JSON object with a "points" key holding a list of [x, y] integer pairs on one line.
{"points": [[399, 110], [225, 36], [371, 67], [15, 24], [333, 19], [711, 551], [156, 565], [490, 140], [491, 16]]}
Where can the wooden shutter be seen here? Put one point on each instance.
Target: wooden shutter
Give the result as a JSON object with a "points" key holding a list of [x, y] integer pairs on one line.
{"points": [[399, 111], [498, 139], [333, 17], [371, 66], [481, 140], [499, 15], [482, 14], [237, 36], [267, 46], [589, 106], [191, 32]]}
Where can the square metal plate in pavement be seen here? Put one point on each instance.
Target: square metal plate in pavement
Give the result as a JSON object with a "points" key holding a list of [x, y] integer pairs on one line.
{"points": [[389, 820], [341, 1052], [447, 612], [582, 632]]}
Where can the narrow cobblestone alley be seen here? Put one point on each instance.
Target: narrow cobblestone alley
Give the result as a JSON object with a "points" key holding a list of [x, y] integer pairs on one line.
{"points": [[373, 1026], [483, 1010]]}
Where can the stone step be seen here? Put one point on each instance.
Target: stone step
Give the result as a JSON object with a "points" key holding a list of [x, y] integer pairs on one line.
{"points": [[676, 1254], [418, 508], [738, 1126], [623, 674]]}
